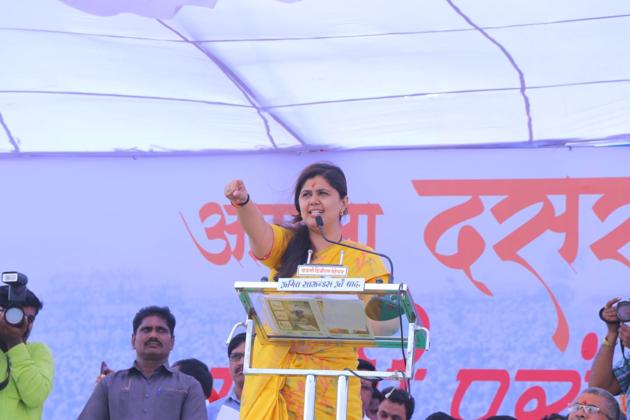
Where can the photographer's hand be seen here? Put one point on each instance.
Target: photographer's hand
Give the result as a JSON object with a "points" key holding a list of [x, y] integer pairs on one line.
{"points": [[612, 322]]}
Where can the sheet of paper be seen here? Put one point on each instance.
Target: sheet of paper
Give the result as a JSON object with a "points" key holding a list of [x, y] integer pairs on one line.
{"points": [[345, 317], [297, 317]]}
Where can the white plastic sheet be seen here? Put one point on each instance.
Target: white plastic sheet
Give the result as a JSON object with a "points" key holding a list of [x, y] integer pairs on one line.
{"points": [[240, 75]]}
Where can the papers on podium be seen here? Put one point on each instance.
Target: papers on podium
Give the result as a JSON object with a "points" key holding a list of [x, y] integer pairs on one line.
{"points": [[334, 316]]}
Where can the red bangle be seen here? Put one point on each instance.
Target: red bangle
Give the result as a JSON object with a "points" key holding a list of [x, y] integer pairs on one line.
{"points": [[240, 204]]}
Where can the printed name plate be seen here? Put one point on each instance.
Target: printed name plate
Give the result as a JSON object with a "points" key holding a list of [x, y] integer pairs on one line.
{"points": [[325, 270], [321, 285]]}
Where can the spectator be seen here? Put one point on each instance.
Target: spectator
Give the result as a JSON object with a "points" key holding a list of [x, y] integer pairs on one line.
{"points": [[229, 406], [198, 370], [396, 405], [594, 403], [372, 410], [368, 386], [440, 415], [149, 389], [554, 416]]}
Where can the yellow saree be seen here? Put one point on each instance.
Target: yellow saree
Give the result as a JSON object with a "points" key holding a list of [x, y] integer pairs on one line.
{"points": [[282, 398]]}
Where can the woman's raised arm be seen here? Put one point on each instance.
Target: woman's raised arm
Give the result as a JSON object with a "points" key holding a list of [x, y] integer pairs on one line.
{"points": [[255, 226]]}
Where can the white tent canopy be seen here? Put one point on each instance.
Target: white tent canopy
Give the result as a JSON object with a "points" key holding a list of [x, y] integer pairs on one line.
{"points": [[88, 76]]}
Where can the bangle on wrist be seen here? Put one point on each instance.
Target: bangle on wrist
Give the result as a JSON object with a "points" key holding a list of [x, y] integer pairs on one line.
{"points": [[608, 343], [240, 204]]}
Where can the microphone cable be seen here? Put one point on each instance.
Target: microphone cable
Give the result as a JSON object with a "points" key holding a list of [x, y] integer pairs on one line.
{"points": [[320, 225]]}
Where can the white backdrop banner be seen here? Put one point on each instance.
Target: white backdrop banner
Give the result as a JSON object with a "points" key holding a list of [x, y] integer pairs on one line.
{"points": [[509, 255]]}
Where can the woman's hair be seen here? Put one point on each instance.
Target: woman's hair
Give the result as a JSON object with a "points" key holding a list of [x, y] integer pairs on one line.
{"points": [[297, 249]]}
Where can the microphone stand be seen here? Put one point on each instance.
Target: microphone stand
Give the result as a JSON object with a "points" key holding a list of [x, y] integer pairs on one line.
{"points": [[320, 225]]}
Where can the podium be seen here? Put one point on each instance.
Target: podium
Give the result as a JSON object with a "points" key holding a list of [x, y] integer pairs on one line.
{"points": [[330, 310]]}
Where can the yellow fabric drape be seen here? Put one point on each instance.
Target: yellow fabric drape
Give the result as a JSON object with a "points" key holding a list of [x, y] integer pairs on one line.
{"points": [[282, 398]]}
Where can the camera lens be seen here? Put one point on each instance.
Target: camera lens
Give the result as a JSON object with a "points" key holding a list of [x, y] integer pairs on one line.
{"points": [[14, 316], [623, 311]]}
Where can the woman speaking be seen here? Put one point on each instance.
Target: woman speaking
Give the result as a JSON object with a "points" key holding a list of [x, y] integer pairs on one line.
{"points": [[320, 190]]}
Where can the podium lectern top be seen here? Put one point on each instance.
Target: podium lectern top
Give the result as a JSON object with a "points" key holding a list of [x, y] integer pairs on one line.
{"points": [[332, 310]]}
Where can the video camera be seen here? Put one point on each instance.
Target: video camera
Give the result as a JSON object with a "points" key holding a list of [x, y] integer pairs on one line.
{"points": [[13, 312]]}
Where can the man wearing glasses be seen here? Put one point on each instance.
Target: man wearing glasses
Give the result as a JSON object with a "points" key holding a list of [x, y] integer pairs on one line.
{"points": [[229, 406], [26, 369], [595, 403]]}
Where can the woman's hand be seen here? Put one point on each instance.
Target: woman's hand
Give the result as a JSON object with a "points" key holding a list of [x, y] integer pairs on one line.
{"points": [[236, 192], [252, 220]]}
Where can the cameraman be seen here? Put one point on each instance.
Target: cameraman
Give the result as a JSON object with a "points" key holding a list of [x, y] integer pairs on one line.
{"points": [[26, 370], [614, 380]]}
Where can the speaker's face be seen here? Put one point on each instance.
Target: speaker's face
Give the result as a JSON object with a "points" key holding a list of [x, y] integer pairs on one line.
{"points": [[319, 198]]}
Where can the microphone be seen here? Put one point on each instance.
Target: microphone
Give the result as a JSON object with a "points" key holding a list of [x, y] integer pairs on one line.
{"points": [[378, 308]]}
